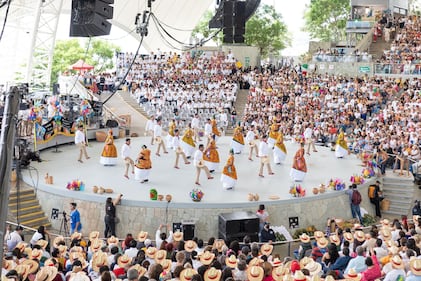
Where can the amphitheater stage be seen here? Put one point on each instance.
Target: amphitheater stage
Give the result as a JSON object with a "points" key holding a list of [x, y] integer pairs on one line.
{"points": [[137, 212]]}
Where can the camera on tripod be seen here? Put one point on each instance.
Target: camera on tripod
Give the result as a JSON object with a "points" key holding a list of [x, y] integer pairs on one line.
{"points": [[64, 216]]}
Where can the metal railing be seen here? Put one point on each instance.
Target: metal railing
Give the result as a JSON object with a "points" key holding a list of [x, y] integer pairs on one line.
{"points": [[397, 68], [341, 58]]}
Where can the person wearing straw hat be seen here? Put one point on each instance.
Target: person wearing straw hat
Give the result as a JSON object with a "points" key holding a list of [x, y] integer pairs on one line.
{"points": [[415, 270], [397, 272], [305, 246], [255, 273], [213, 274], [353, 275], [187, 274]]}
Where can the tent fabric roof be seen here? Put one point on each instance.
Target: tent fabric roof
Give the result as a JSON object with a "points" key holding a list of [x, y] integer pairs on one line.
{"points": [[81, 65], [178, 17]]}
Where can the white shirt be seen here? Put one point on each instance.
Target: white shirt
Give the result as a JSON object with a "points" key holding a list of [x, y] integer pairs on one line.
{"points": [[157, 131], [195, 123], [131, 252], [149, 125], [263, 149], [198, 156], [79, 137], [126, 151], [208, 129], [176, 142], [14, 239], [250, 136], [37, 236], [308, 133]]}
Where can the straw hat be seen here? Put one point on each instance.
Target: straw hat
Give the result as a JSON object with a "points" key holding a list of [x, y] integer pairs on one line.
{"points": [[140, 269], [213, 274], [415, 266], [255, 262], [93, 235], [397, 262], [218, 244], [318, 234], [288, 277], [99, 259], [96, 245], [276, 262], [313, 267], [352, 274], [329, 278], [334, 239], [348, 237], [80, 276], [8, 264], [112, 240], [124, 260], [50, 262], [142, 236], [47, 273], [151, 252], [266, 249], [207, 257], [33, 265], [42, 243], [255, 273], [315, 278], [166, 264], [231, 261], [304, 261], [322, 242], [177, 236], [359, 235], [304, 238], [22, 270], [385, 233], [187, 274], [36, 254], [299, 276], [160, 256], [279, 272], [190, 246], [76, 249], [21, 246], [385, 222], [76, 235], [57, 240]]}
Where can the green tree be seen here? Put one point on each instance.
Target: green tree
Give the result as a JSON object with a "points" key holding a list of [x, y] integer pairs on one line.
{"points": [[203, 31], [266, 30], [326, 19], [66, 52]]}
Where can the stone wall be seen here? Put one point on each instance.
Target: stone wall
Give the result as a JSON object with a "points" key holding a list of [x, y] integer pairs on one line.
{"points": [[312, 210]]}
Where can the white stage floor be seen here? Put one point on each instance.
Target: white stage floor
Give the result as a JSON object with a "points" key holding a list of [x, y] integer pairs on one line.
{"points": [[64, 167]]}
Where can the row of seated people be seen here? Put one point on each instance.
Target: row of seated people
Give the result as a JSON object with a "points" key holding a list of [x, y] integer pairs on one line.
{"points": [[390, 251]]}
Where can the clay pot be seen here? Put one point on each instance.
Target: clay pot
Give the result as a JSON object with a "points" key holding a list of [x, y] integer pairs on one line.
{"points": [[109, 190], [168, 198], [95, 189], [160, 197], [256, 197], [315, 190], [250, 197], [322, 189], [46, 178], [50, 180], [101, 190]]}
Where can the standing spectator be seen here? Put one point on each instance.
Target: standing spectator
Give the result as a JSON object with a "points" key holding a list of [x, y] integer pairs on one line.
{"points": [[355, 201], [110, 216], [75, 224], [377, 198], [14, 238], [263, 216], [80, 142], [267, 234]]}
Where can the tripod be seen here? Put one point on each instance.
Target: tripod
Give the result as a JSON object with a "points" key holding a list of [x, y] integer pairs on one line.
{"points": [[64, 227]]}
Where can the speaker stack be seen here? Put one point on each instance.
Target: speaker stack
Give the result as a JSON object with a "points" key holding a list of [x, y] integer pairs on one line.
{"points": [[89, 18], [237, 225]]}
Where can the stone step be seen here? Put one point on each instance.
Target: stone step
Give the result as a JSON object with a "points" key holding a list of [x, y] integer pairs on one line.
{"points": [[36, 222], [23, 211], [395, 213], [22, 197], [22, 192], [24, 204], [405, 192], [31, 215]]}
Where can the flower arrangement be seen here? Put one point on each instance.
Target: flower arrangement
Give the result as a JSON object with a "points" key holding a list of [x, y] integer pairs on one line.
{"points": [[368, 173], [297, 190], [357, 179], [76, 185], [336, 184], [196, 195]]}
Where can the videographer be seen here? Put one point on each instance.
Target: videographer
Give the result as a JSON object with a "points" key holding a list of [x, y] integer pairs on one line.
{"points": [[75, 224], [110, 216], [267, 234]]}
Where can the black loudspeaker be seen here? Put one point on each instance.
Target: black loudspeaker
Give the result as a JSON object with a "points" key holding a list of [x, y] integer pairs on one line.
{"points": [[228, 21], [239, 22], [90, 18], [235, 226], [56, 89], [188, 231], [111, 124]]}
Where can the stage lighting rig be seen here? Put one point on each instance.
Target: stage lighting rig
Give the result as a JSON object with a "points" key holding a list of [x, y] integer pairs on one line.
{"points": [[142, 26]]}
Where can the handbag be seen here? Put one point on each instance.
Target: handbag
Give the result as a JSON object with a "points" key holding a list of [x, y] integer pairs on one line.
{"points": [[116, 220]]}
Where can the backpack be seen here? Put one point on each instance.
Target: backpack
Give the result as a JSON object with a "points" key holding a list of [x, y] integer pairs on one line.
{"points": [[356, 197], [372, 191]]}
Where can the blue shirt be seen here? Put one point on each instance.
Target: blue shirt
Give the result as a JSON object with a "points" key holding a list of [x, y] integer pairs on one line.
{"points": [[358, 263], [75, 218]]}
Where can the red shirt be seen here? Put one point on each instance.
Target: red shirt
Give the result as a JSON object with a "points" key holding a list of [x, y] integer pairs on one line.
{"points": [[371, 274]]}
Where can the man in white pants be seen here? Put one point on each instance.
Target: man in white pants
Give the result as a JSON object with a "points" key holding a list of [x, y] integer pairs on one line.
{"points": [[195, 126], [157, 134], [309, 138], [150, 124], [126, 155], [264, 156], [80, 142], [198, 163], [251, 141]]}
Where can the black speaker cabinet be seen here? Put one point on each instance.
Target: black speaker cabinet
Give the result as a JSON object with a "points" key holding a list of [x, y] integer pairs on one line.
{"points": [[90, 18], [188, 231], [238, 225]]}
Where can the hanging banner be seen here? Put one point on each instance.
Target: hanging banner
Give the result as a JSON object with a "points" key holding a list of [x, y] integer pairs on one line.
{"points": [[56, 126]]}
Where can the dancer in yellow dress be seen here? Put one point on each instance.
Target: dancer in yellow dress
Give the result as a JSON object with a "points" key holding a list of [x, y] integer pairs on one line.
{"points": [[215, 130], [279, 150], [143, 165], [299, 166], [273, 134], [109, 152], [187, 142], [229, 173], [237, 142], [171, 128], [211, 155], [341, 146]]}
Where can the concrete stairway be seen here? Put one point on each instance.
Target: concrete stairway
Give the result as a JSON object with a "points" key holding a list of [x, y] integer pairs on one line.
{"points": [[127, 98], [377, 48], [240, 104], [25, 209], [400, 190]]}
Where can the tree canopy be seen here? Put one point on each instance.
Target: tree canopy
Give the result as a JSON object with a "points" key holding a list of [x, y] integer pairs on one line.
{"points": [[100, 54], [326, 19], [265, 29]]}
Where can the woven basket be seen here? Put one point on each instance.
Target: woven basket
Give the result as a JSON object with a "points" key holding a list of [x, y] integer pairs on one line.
{"points": [[385, 204]]}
